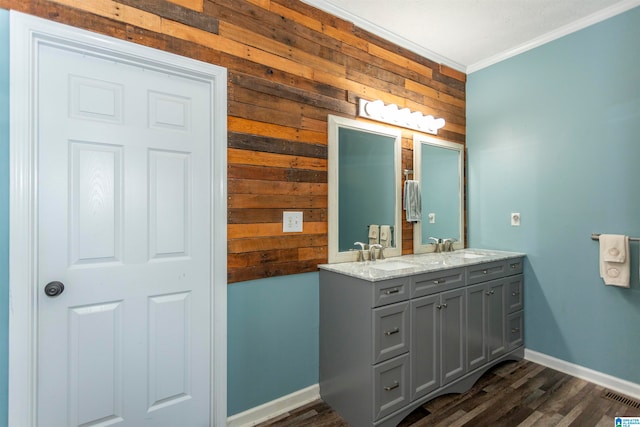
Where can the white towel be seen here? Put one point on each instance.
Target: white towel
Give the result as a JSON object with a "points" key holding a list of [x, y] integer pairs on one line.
{"points": [[614, 262], [412, 201], [374, 234], [385, 235]]}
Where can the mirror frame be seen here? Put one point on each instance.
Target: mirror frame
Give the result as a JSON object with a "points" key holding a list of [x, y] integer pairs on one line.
{"points": [[334, 125], [418, 141]]}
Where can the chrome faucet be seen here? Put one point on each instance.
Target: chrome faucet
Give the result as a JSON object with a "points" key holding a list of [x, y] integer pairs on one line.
{"points": [[361, 251], [372, 251], [438, 243], [447, 244]]}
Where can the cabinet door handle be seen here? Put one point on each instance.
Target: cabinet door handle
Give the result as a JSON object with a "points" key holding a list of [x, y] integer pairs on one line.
{"points": [[444, 305], [514, 266], [395, 385], [485, 271], [514, 330], [439, 281], [514, 293], [393, 331], [391, 291], [439, 306]]}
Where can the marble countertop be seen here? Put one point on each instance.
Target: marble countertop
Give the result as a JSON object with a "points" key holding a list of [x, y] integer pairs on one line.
{"points": [[415, 264]]}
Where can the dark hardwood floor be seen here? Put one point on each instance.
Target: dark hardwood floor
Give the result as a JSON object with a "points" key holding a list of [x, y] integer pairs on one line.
{"points": [[512, 394]]}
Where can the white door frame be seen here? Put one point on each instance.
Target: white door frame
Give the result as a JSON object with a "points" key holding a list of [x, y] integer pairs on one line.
{"points": [[27, 33]]}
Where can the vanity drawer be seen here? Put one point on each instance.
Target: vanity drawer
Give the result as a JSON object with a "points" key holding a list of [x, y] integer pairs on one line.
{"points": [[391, 291], [391, 386], [515, 330], [436, 281], [514, 293], [390, 331], [487, 271], [514, 266]]}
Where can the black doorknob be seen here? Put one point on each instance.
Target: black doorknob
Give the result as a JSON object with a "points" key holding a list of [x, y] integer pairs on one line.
{"points": [[53, 289]]}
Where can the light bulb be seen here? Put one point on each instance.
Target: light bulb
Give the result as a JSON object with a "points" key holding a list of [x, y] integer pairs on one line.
{"points": [[374, 108]]}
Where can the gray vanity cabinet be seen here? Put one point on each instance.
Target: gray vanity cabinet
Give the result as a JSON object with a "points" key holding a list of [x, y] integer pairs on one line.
{"points": [[390, 343]]}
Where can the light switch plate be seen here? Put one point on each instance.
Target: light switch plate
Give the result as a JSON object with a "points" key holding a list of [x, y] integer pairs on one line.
{"points": [[515, 219], [291, 222], [432, 218]]}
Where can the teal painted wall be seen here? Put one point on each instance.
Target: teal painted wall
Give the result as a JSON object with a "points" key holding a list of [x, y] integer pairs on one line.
{"points": [[4, 213], [554, 134], [272, 339]]}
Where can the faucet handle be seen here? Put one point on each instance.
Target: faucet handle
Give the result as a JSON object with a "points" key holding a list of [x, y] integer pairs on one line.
{"points": [[437, 242]]}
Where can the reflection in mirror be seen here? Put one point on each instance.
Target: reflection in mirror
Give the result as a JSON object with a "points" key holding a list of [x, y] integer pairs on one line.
{"points": [[438, 166], [364, 183]]}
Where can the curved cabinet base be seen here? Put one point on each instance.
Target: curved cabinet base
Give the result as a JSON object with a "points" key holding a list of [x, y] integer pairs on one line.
{"points": [[460, 386]]}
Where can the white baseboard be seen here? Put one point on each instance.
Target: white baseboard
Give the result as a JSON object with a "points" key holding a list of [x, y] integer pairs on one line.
{"points": [[613, 383], [274, 408]]}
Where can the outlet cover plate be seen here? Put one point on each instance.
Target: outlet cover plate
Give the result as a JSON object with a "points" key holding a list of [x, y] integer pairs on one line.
{"points": [[515, 219]]}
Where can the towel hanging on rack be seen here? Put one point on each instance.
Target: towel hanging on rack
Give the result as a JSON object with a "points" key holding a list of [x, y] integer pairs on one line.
{"points": [[614, 259], [412, 201]]}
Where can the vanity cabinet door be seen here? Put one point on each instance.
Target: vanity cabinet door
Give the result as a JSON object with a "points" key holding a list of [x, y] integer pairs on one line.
{"points": [[425, 345], [477, 343], [452, 335], [496, 318], [486, 321]]}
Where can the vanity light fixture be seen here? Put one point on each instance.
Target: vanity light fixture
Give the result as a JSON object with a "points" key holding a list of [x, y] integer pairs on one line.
{"points": [[403, 117]]}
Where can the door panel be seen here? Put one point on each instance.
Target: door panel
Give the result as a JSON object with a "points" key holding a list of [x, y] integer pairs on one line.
{"points": [[123, 188]]}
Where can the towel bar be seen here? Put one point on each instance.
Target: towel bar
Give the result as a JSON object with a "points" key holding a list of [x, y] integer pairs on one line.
{"points": [[596, 236]]}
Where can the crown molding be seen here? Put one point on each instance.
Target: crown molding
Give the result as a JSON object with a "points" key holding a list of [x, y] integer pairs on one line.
{"points": [[578, 25]]}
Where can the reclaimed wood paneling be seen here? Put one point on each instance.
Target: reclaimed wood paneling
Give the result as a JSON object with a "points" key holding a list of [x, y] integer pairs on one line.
{"points": [[290, 65]]}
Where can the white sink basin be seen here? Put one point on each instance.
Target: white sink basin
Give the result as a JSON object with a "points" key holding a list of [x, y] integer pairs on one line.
{"points": [[391, 265], [472, 256]]}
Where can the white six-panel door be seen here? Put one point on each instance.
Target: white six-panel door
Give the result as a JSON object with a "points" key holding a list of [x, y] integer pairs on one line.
{"points": [[123, 195]]}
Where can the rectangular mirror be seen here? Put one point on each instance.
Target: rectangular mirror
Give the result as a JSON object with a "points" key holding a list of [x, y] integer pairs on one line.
{"points": [[439, 167], [364, 186]]}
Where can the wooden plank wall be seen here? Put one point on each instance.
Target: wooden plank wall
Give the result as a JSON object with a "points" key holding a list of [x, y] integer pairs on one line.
{"points": [[290, 65]]}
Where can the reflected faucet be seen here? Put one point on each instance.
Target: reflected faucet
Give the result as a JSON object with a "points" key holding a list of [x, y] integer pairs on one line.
{"points": [[372, 251], [438, 243], [447, 244]]}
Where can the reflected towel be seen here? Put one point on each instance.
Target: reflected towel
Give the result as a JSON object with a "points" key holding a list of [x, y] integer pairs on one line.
{"points": [[412, 202], [374, 234], [385, 235], [614, 262]]}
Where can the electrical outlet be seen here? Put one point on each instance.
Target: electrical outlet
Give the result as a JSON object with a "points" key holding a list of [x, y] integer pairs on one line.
{"points": [[291, 222], [515, 219]]}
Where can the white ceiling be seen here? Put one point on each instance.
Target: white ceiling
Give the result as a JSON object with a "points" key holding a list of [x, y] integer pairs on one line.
{"points": [[472, 34]]}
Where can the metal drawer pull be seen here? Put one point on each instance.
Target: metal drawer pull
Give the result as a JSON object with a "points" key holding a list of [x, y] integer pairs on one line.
{"points": [[514, 293], [514, 330], [485, 271], [439, 281], [393, 331], [491, 292], [391, 291], [395, 385], [514, 266]]}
